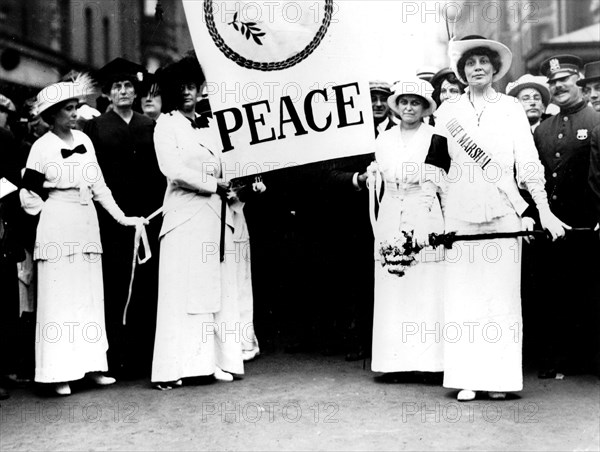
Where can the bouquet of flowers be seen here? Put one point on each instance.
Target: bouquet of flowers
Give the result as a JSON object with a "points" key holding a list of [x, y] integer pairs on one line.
{"points": [[399, 255]]}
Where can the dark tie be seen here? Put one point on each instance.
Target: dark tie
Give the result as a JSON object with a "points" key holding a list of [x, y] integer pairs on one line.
{"points": [[80, 149]]}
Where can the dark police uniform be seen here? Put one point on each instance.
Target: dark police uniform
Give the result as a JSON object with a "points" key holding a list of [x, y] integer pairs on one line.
{"points": [[595, 169], [568, 268]]}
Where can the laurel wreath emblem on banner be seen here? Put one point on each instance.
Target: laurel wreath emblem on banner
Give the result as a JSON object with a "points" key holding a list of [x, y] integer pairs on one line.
{"points": [[251, 29]]}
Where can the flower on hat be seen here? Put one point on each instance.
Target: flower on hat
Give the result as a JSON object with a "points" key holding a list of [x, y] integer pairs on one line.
{"points": [[78, 87]]}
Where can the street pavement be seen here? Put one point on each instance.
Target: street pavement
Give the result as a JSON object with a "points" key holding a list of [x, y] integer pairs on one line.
{"points": [[304, 402]]}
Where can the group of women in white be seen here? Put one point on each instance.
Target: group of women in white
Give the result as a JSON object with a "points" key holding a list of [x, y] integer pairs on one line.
{"points": [[459, 316], [204, 279]]}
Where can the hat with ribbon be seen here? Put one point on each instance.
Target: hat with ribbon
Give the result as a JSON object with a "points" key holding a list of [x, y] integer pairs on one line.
{"points": [[119, 70], [416, 87], [456, 49]]}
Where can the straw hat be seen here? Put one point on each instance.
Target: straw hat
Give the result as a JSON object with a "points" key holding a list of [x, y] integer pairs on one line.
{"points": [[456, 49], [529, 81], [77, 89]]}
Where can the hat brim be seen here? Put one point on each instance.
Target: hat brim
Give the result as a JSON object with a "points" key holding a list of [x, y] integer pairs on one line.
{"points": [[58, 93], [584, 81], [436, 79], [456, 49], [380, 90], [544, 92], [393, 103], [562, 74]]}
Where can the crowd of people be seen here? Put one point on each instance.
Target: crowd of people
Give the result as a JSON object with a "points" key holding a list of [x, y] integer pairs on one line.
{"points": [[427, 246]]}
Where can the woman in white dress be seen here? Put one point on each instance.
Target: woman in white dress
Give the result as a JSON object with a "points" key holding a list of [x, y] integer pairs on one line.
{"points": [[408, 308], [492, 154], [62, 167], [198, 322]]}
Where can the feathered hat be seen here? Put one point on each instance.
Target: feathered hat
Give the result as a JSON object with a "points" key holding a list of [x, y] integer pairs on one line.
{"points": [[78, 87]]}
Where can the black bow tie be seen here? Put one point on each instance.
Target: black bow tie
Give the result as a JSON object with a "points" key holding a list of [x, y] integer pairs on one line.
{"points": [[199, 122], [80, 149]]}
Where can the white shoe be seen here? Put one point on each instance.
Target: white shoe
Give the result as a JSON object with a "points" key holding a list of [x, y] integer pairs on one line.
{"points": [[101, 380], [167, 385], [466, 395], [221, 375], [497, 395], [62, 389]]}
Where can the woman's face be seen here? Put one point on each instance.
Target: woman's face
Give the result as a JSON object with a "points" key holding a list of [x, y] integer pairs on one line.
{"points": [[479, 70], [66, 116], [449, 91], [411, 108], [189, 97]]}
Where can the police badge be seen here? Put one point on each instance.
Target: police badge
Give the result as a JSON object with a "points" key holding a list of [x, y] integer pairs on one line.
{"points": [[582, 134]]}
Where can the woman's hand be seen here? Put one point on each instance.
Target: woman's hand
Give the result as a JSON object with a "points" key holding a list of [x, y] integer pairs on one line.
{"points": [[421, 236], [134, 221], [371, 173], [527, 224], [553, 225]]}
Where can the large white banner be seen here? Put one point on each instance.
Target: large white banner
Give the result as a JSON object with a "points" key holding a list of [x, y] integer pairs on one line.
{"points": [[284, 80]]}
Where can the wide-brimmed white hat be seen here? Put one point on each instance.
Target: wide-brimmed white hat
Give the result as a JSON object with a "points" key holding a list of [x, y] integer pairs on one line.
{"points": [[529, 81], [77, 89], [456, 49], [416, 87]]}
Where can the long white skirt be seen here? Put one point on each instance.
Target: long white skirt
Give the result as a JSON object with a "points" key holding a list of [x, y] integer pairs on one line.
{"points": [[483, 323], [194, 344], [408, 317], [70, 331]]}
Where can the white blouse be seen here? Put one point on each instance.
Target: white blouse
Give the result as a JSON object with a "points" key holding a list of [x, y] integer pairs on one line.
{"points": [[498, 138]]}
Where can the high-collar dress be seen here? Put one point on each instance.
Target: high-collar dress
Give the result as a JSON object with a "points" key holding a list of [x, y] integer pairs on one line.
{"points": [[71, 335]]}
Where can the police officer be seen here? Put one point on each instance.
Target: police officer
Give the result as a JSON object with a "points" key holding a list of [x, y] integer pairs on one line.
{"points": [[567, 268]]}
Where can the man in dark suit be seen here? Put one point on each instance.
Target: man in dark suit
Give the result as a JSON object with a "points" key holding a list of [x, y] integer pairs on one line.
{"points": [[124, 144]]}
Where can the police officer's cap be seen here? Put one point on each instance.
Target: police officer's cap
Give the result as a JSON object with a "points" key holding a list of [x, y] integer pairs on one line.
{"points": [[559, 66]]}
